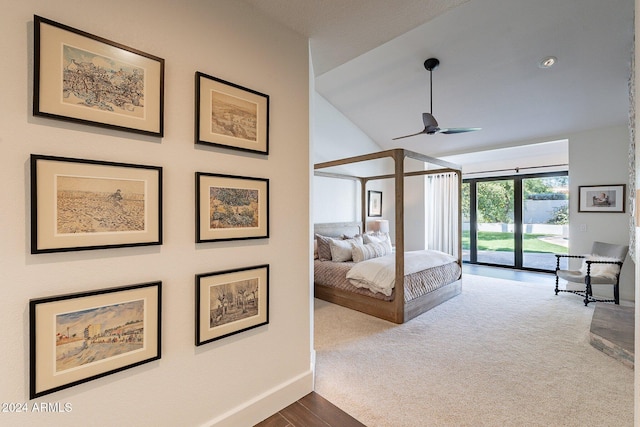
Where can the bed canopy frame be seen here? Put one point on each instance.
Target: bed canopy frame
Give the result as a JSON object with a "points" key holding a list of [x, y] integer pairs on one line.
{"points": [[394, 310]]}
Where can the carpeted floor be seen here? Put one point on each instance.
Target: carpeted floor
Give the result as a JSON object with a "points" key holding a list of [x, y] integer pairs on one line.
{"points": [[502, 353]]}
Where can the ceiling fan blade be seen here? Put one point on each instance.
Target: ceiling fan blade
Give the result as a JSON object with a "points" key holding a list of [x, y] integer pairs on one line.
{"points": [[457, 130], [429, 121], [413, 134]]}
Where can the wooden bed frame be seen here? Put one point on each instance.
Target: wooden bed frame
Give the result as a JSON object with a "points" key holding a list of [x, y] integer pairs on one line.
{"points": [[395, 310]]}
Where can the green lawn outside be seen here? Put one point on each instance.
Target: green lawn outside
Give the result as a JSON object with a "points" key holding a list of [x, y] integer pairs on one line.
{"points": [[500, 241]]}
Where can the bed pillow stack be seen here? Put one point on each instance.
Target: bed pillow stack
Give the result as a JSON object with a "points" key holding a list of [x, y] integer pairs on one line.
{"points": [[352, 248], [336, 249]]}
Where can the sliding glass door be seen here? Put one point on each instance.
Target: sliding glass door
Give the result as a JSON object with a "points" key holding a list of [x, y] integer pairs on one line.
{"points": [[466, 220], [517, 221], [545, 216], [495, 222]]}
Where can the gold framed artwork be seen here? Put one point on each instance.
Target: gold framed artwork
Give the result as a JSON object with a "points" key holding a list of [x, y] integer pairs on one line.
{"points": [[75, 338], [84, 78], [79, 204], [231, 207], [231, 301], [231, 116]]}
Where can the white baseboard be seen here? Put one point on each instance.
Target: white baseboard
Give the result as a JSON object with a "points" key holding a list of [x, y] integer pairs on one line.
{"points": [[313, 366], [268, 403]]}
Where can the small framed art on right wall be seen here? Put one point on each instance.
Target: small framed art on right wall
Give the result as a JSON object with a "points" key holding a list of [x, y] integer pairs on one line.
{"points": [[601, 198]]}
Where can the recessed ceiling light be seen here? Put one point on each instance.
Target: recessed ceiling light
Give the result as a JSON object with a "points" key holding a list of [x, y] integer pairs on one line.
{"points": [[547, 62]]}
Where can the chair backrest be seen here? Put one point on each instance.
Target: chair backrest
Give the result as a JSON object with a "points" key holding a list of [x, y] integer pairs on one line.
{"points": [[610, 250]]}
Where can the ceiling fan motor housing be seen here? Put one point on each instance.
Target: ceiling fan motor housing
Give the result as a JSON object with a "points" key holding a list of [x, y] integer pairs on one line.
{"points": [[431, 64]]}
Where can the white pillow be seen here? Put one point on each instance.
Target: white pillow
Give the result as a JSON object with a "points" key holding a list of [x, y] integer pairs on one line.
{"points": [[368, 250], [383, 238], [605, 270], [341, 249]]}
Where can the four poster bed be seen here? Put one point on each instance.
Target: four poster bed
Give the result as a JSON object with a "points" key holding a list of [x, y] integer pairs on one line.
{"points": [[364, 272]]}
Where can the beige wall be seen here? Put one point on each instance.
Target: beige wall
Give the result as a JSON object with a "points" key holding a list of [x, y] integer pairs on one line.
{"points": [[235, 381]]}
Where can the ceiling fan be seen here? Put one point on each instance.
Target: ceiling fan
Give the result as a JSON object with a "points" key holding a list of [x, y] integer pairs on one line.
{"points": [[430, 123]]}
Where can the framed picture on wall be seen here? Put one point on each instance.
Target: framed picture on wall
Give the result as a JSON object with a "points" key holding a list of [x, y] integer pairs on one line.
{"points": [[79, 204], [79, 337], [231, 116], [231, 207], [601, 198], [374, 203], [84, 78], [231, 301]]}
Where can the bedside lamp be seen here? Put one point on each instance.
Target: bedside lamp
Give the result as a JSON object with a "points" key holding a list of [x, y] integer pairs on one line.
{"points": [[381, 226]]}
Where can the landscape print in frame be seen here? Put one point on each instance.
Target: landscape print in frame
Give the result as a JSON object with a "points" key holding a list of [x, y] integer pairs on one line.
{"points": [[231, 301], [79, 204], [87, 79], [231, 207], [79, 337], [231, 116]]}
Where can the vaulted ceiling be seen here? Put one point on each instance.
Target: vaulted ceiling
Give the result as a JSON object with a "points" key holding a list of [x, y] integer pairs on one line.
{"points": [[368, 60]]}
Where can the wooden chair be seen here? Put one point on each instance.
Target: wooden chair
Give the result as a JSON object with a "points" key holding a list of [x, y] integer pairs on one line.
{"points": [[592, 274]]}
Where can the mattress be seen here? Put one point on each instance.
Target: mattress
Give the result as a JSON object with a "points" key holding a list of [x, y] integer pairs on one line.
{"points": [[333, 275]]}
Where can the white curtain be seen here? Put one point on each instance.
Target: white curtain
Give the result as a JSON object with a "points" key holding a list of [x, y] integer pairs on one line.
{"points": [[441, 211]]}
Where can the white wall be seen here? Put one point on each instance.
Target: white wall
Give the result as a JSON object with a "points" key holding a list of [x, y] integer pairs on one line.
{"points": [[335, 200], [336, 137], [600, 157], [238, 380]]}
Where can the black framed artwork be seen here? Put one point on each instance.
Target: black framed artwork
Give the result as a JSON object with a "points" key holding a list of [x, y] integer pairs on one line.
{"points": [[231, 116], [602, 198], [87, 79], [230, 207], [79, 204], [231, 301], [374, 203], [79, 337]]}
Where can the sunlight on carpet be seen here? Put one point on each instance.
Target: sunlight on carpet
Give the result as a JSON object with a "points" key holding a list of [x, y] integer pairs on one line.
{"points": [[501, 353]]}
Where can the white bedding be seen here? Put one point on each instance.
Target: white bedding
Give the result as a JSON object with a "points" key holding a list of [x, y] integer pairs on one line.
{"points": [[379, 274]]}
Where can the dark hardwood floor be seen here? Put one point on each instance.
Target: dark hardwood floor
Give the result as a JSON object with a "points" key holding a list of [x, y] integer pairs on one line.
{"points": [[312, 410]]}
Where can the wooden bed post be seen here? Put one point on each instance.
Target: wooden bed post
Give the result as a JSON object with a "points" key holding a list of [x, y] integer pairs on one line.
{"points": [[398, 157], [363, 204]]}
